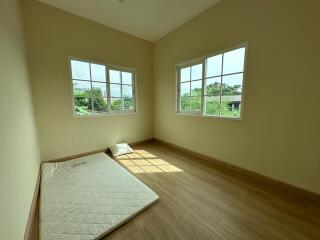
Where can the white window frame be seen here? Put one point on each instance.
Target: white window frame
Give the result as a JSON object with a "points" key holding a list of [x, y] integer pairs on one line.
{"points": [[107, 68], [203, 61]]}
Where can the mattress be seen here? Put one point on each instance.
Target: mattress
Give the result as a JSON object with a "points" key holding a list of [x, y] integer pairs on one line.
{"points": [[88, 197]]}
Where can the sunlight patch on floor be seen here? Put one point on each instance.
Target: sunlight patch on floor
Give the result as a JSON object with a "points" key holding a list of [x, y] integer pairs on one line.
{"points": [[143, 162]]}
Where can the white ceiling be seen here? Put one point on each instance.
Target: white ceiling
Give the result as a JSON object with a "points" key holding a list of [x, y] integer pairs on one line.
{"points": [[146, 19]]}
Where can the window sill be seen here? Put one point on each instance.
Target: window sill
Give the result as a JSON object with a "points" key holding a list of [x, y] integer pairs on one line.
{"points": [[199, 115], [105, 114]]}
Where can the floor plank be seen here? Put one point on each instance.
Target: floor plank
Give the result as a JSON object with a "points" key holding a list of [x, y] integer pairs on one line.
{"points": [[198, 201]]}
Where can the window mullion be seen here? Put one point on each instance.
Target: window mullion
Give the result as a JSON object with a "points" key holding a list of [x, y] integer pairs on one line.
{"points": [[221, 84], [108, 89], [121, 93], [190, 89], [204, 67], [178, 69], [134, 90], [92, 106]]}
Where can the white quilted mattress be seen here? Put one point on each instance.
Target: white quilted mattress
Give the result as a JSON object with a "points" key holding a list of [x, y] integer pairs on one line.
{"points": [[88, 197]]}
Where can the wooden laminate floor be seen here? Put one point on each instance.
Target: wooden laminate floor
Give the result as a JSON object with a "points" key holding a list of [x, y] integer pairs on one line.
{"points": [[199, 202]]}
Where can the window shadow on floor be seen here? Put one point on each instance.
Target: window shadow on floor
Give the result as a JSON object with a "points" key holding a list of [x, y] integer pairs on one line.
{"points": [[142, 161]]}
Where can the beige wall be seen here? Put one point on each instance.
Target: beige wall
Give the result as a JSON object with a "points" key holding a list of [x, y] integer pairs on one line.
{"points": [[19, 153], [52, 35], [279, 135]]}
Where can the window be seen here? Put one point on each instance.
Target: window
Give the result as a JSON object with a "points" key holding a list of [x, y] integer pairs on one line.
{"points": [[102, 89], [212, 86], [190, 88], [121, 90]]}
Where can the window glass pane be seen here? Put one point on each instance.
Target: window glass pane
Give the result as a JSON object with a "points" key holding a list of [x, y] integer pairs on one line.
{"points": [[195, 104], [116, 104], [82, 106], [185, 89], [214, 66], [196, 72], [114, 76], [212, 105], [233, 61], [90, 88], [99, 89], [127, 78], [126, 91], [115, 90], [223, 84], [128, 103], [232, 84], [98, 72], [185, 74], [100, 105], [81, 88], [230, 106], [196, 87], [80, 70], [185, 104], [213, 86]]}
